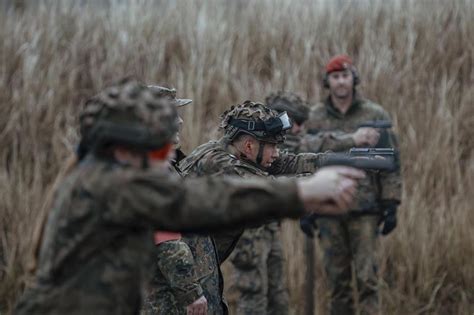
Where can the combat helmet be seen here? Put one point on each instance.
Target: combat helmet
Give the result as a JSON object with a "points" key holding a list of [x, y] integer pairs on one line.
{"points": [[257, 120], [291, 103], [129, 114]]}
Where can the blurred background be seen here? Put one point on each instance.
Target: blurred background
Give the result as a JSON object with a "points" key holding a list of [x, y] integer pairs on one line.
{"points": [[415, 58]]}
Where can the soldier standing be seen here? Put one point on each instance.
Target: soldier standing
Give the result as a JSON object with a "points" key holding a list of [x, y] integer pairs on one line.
{"points": [[97, 241], [298, 111], [175, 288], [349, 242], [249, 149]]}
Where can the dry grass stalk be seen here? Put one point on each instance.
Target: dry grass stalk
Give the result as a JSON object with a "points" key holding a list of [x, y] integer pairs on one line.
{"points": [[415, 58]]}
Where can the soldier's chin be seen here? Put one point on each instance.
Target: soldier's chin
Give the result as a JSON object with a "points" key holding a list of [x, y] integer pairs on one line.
{"points": [[342, 93]]}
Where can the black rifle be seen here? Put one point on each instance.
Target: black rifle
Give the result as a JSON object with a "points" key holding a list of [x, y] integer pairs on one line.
{"points": [[373, 159]]}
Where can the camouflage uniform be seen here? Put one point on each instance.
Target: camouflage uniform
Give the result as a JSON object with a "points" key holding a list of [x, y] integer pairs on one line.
{"points": [[258, 257], [174, 284], [352, 239], [297, 110], [97, 240]]}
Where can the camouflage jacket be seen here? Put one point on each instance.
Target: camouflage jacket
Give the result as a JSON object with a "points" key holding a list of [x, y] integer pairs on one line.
{"points": [[174, 284], [333, 132], [97, 242], [217, 158]]}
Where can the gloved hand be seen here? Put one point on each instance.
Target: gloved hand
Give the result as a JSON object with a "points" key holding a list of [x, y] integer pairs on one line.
{"points": [[308, 225], [389, 217]]}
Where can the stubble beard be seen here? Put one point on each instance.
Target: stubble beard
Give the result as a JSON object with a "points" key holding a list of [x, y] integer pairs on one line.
{"points": [[342, 92]]}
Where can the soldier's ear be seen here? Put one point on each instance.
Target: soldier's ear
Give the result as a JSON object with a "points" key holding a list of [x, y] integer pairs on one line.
{"points": [[355, 76], [325, 81], [249, 144]]}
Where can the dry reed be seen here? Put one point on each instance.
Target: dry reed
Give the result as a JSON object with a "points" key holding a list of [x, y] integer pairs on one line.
{"points": [[415, 58]]}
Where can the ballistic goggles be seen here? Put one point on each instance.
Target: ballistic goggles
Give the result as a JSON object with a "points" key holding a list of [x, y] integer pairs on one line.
{"points": [[272, 126]]}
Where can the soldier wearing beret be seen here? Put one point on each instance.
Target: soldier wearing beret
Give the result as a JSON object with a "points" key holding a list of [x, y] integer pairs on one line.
{"points": [[349, 242]]}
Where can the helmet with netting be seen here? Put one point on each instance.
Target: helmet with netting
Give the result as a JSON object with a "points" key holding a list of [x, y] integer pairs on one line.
{"points": [[129, 114], [257, 120], [291, 103]]}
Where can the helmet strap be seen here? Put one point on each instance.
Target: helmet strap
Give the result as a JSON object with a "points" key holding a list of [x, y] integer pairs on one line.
{"points": [[260, 153]]}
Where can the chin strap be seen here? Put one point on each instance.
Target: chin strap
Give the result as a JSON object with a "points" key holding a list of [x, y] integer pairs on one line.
{"points": [[260, 153]]}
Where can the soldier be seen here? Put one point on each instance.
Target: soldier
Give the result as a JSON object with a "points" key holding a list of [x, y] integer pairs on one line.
{"points": [[174, 288], [298, 112], [349, 242], [249, 149], [97, 241]]}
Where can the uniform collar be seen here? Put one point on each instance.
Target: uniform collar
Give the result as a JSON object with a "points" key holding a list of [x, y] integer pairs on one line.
{"points": [[336, 113]]}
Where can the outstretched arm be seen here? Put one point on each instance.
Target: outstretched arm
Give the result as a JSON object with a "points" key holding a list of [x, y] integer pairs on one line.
{"points": [[210, 204]]}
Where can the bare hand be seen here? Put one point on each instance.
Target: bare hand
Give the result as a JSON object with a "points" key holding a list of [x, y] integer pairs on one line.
{"points": [[366, 136], [330, 190], [198, 307]]}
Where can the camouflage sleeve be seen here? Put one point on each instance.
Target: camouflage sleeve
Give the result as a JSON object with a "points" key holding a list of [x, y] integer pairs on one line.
{"points": [[197, 204], [290, 164], [176, 263], [390, 183]]}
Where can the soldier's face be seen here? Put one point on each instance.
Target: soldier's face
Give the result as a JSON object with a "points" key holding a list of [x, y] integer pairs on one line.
{"points": [[296, 128], [341, 83], [177, 139], [269, 155]]}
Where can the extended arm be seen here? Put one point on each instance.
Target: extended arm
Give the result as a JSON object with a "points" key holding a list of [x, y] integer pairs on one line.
{"points": [[291, 164], [169, 203]]}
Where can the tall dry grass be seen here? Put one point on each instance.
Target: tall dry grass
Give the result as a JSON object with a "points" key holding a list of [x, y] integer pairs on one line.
{"points": [[415, 58]]}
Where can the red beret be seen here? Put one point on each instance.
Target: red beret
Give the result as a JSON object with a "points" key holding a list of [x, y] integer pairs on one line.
{"points": [[338, 63]]}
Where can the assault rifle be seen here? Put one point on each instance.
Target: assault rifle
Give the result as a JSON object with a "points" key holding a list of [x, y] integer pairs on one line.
{"points": [[374, 159]]}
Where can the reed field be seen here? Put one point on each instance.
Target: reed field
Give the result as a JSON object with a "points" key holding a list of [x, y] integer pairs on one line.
{"points": [[414, 57]]}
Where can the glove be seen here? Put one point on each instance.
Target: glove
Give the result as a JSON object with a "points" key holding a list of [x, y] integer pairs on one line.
{"points": [[389, 218], [308, 225]]}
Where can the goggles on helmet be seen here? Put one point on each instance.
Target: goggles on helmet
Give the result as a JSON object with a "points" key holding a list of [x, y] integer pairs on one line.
{"points": [[272, 126]]}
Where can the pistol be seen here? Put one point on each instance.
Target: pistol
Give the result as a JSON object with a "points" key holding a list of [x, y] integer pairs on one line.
{"points": [[378, 124]]}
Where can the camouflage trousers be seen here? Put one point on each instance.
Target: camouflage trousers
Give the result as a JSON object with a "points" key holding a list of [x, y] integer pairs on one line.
{"points": [[260, 282], [349, 246]]}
